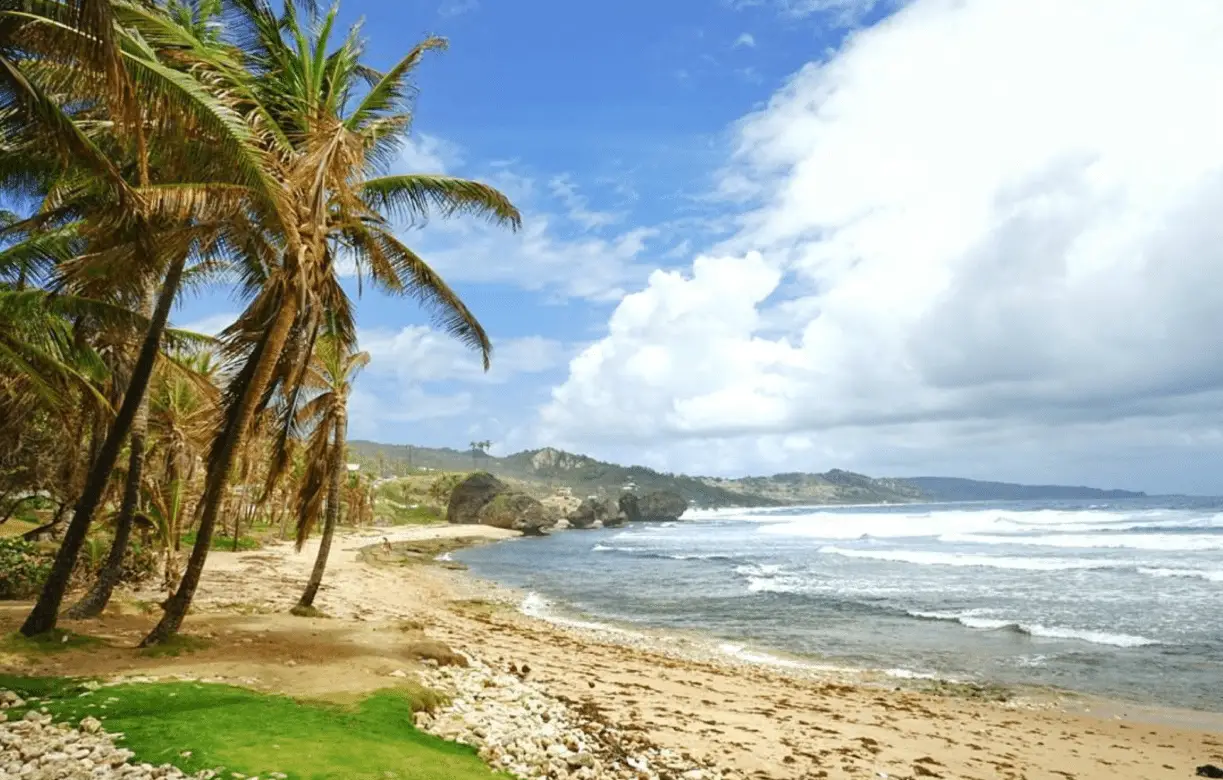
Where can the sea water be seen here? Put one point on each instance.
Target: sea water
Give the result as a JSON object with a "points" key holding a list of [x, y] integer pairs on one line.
{"points": [[1119, 598]]}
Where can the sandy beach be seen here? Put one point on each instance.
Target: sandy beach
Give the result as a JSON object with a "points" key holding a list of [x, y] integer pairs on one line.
{"points": [[678, 694]]}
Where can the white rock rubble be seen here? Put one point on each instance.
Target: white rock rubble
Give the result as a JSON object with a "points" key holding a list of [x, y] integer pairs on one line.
{"points": [[521, 730], [34, 747]]}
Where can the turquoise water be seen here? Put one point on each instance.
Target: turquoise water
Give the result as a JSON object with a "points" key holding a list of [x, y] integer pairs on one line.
{"points": [[1122, 599]]}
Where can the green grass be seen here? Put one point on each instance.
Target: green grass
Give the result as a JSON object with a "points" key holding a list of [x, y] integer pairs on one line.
{"points": [[256, 734], [54, 641], [399, 514], [223, 543], [176, 646]]}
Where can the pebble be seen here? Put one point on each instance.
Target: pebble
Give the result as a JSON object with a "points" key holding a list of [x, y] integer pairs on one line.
{"points": [[520, 729], [35, 747]]}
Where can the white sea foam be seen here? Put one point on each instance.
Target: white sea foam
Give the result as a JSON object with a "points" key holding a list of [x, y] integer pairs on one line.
{"points": [[1102, 541], [536, 606], [1210, 575], [932, 558], [764, 659], [909, 674], [982, 523], [971, 619]]}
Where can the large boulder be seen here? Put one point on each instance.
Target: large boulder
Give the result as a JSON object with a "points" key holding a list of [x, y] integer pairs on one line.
{"points": [[469, 497], [661, 505], [630, 507], [595, 513], [517, 512]]}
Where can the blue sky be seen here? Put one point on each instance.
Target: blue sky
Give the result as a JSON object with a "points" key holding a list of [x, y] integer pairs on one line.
{"points": [[960, 237]]}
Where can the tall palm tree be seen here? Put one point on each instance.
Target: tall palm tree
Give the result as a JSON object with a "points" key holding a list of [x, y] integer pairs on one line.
{"points": [[78, 84], [333, 367], [330, 125]]}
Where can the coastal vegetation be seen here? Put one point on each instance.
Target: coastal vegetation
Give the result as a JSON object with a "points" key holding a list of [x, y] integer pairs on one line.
{"points": [[150, 149], [198, 726]]}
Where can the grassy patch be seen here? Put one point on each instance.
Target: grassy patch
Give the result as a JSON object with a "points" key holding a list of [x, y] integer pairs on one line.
{"points": [[256, 734], [176, 646], [415, 552], [223, 543], [54, 641]]}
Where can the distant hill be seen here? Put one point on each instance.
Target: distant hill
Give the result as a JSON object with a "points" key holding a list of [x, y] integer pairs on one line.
{"points": [[953, 489], [585, 476], [832, 487]]}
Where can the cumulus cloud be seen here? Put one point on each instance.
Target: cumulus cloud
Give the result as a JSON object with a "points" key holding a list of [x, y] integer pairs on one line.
{"points": [[998, 212], [746, 40]]}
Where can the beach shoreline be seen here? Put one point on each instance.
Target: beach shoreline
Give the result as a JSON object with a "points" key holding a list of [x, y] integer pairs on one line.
{"points": [[687, 707]]}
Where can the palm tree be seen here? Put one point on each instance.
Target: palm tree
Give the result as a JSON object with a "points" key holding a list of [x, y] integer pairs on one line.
{"points": [[332, 370], [178, 409], [83, 87], [326, 138]]}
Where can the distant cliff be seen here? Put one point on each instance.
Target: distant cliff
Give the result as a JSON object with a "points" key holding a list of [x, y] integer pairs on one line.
{"points": [[953, 489], [584, 476]]}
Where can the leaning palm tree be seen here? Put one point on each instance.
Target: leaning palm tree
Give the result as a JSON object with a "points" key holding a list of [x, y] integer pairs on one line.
{"points": [[330, 125], [78, 84], [333, 367]]}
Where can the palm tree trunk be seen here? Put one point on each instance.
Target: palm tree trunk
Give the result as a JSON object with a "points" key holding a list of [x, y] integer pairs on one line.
{"points": [[46, 612], [333, 516], [246, 391], [108, 576]]}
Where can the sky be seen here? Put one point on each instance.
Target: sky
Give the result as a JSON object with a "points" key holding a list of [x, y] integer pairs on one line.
{"points": [[975, 238]]}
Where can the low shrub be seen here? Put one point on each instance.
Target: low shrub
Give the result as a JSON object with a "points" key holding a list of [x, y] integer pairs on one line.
{"points": [[23, 568]]}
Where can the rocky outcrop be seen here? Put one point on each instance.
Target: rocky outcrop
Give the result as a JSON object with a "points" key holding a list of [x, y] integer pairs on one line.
{"points": [[596, 513], [661, 505], [469, 497], [630, 507], [482, 499], [517, 512]]}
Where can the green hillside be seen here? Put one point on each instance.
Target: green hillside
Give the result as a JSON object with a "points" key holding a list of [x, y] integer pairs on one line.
{"points": [[585, 476]]}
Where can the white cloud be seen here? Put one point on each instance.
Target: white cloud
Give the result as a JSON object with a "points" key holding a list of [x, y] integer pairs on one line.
{"points": [[564, 188], [458, 7], [844, 11], [211, 325], [418, 354], [998, 213], [423, 153], [417, 374], [556, 251], [746, 40]]}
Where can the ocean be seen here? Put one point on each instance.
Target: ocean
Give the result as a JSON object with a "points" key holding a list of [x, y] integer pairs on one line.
{"points": [[1121, 599]]}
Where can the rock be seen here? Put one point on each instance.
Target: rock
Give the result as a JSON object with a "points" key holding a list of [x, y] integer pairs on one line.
{"points": [[483, 499], [661, 505], [630, 507], [596, 512], [516, 511], [432, 650], [470, 496], [1209, 770]]}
